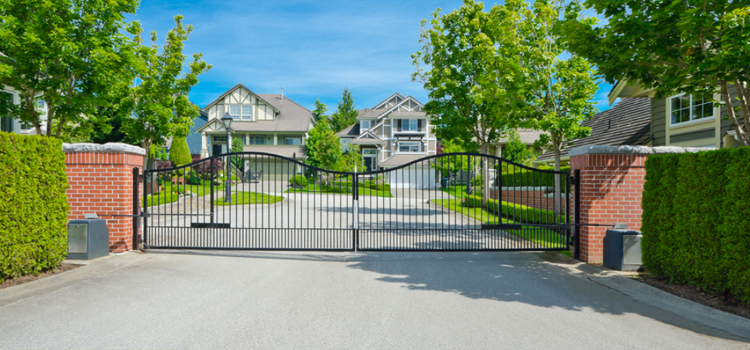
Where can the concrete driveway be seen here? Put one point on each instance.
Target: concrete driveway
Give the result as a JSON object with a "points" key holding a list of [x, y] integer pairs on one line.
{"points": [[339, 300]]}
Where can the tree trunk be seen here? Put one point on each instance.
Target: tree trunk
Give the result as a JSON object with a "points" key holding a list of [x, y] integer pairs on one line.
{"points": [[741, 135], [558, 194]]}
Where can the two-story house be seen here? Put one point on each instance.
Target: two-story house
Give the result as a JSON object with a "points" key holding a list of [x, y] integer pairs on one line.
{"points": [[9, 123], [393, 133], [269, 123]]}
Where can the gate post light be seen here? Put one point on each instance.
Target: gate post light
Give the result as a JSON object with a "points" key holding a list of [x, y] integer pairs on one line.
{"points": [[227, 121]]}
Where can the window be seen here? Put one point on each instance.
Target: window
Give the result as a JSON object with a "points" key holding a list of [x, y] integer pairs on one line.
{"points": [[293, 140], [409, 125], [247, 112], [409, 147], [256, 139], [369, 151], [234, 111], [686, 108], [364, 125], [344, 144], [220, 139], [6, 121]]}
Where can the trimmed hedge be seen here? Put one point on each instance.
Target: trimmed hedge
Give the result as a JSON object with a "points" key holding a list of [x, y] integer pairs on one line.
{"points": [[524, 177], [516, 212], [298, 180], [34, 209], [696, 219], [179, 154]]}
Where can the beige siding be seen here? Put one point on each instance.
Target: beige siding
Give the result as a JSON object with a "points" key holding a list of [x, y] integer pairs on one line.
{"points": [[659, 121]]}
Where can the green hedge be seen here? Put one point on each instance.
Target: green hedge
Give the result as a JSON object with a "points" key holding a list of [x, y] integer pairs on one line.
{"points": [[34, 209], [516, 212], [696, 219], [298, 180], [524, 177]]}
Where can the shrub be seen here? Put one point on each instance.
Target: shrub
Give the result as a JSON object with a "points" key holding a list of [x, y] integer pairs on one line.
{"points": [[696, 214], [204, 171], [524, 177], [179, 154], [34, 212], [516, 212], [298, 180]]}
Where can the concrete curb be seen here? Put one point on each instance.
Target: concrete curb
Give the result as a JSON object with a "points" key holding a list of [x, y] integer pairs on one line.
{"points": [[649, 295]]}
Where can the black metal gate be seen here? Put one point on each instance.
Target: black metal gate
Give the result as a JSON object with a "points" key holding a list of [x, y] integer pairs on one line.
{"points": [[447, 202]]}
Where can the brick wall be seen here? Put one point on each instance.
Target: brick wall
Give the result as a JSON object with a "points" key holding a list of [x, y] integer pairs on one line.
{"points": [[611, 190], [101, 182]]}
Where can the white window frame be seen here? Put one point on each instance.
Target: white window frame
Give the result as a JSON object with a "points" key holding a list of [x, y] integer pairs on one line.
{"points": [[362, 125], [369, 152], [248, 115], [398, 146], [235, 115], [405, 122], [690, 107]]}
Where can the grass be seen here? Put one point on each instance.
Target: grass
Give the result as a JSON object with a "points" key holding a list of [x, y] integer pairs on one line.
{"points": [[363, 191], [242, 198], [534, 234], [458, 191], [168, 195]]}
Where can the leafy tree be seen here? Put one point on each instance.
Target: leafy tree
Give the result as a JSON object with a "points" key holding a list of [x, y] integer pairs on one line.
{"points": [[677, 46], [351, 160], [237, 146], [517, 151], [466, 64], [161, 108], [320, 111], [322, 146], [346, 113], [66, 53]]}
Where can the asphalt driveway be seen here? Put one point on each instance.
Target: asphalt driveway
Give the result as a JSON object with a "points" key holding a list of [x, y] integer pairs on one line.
{"points": [[337, 300]]}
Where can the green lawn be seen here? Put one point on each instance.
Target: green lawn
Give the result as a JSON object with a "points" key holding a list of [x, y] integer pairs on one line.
{"points": [[458, 191], [363, 191], [242, 198], [537, 235], [168, 195]]}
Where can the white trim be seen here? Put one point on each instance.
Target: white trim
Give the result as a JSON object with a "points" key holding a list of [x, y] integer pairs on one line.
{"points": [[690, 109], [421, 147]]}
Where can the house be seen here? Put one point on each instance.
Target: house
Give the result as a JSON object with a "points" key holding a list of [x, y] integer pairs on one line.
{"points": [[393, 133], [527, 136], [682, 120], [628, 123], [8, 123], [269, 123]]}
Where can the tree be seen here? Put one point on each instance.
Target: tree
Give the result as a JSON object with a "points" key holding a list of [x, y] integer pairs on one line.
{"points": [[237, 147], [179, 153], [66, 53], [351, 160], [320, 111], [517, 151], [322, 146], [345, 114], [159, 100], [679, 46]]}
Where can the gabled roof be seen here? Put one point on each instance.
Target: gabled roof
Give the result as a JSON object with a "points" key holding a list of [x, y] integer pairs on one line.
{"points": [[290, 117], [628, 123], [225, 94], [350, 131]]}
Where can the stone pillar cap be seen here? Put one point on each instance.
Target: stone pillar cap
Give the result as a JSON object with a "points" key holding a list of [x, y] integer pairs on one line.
{"points": [[112, 147]]}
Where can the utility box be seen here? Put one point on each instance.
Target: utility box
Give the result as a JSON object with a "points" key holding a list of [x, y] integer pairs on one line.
{"points": [[87, 239], [622, 250]]}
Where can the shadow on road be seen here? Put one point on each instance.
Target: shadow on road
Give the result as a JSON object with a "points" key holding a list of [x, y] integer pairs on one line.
{"points": [[503, 277]]}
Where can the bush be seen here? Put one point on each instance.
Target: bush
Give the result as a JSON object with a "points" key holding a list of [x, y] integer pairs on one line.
{"points": [[34, 212], [696, 214], [524, 177], [516, 212], [179, 153], [298, 180]]}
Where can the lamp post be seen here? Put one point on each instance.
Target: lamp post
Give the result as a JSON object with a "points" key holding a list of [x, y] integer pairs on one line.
{"points": [[227, 121]]}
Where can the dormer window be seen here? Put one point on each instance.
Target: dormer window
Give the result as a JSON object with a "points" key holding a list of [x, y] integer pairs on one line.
{"points": [[244, 112], [364, 125]]}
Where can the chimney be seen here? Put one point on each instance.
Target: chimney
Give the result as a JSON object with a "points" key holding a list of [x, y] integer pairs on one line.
{"points": [[282, 93]]}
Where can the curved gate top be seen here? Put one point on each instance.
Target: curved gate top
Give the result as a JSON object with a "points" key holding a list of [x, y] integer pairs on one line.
{"points": [[446, 202]]}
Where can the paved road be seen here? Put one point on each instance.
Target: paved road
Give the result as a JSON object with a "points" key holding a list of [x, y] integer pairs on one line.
{"points": [[338, 301]]}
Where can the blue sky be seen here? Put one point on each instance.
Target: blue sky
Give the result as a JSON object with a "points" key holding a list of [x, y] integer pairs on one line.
{"points": [[314, 49]]}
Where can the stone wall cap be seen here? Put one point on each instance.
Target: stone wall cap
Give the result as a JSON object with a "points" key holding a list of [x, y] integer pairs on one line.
{"points": [[637, 150], [112, 147]]}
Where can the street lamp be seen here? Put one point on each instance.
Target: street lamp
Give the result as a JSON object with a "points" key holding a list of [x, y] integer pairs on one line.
{"points": [[227, 121]]}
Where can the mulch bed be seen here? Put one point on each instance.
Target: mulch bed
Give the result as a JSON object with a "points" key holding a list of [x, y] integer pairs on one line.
{"points": [[722, 302], [29, 278]]}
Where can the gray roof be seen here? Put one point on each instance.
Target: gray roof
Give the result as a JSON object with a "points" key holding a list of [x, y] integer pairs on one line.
{"points": [[401, 159], [370, 113], [291, 117], [221, 97], [350, 131], [285, 151], [628, 123], [407, 114]]}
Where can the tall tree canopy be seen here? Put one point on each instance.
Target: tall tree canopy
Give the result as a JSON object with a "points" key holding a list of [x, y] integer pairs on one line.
{"points": [[66, 53], [159, 98], [695, 47], [346, 114], [320, 112]]}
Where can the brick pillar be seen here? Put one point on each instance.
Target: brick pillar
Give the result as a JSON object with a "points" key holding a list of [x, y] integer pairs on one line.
{"points": [[612, 181], [100, 181]]}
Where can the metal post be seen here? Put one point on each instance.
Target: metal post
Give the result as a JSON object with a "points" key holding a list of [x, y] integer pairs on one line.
{"points": [[136, 207], [228, 195], [355, 211], [211, 179], [577, 208]]}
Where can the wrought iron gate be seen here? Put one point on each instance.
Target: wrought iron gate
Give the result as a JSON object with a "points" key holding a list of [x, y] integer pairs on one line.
{"points": [[447, 202]]}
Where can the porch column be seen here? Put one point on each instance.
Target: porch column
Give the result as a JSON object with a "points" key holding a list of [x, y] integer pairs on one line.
{"points": [[204, 146]]}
